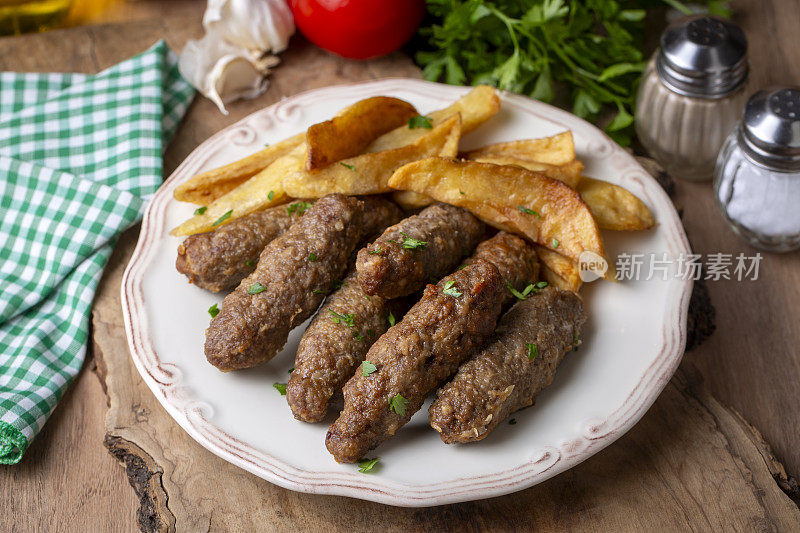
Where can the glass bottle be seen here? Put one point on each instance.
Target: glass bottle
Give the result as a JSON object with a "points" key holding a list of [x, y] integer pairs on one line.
{"points": [[692, 94], [757, 177]]}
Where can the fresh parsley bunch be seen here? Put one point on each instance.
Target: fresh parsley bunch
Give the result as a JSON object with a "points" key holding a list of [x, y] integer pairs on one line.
{"points": [[590, 48]]}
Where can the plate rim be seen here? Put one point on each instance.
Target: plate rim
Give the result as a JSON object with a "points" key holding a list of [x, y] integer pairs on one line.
{"points": [[193, 416]]}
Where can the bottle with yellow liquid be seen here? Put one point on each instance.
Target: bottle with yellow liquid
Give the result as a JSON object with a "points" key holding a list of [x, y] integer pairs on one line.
{"points": [[22, 16]]}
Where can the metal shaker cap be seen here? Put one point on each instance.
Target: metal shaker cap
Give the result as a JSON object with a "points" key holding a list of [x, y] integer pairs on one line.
{"points": [[770, 130], [703, 56]]}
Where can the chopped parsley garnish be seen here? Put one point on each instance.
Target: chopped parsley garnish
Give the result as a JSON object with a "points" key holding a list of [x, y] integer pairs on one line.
{"points": [[450, 290], [270, 195], [533, 350], [223, 218], [555, 243], [200, 210], [461, 192], [370, 333], [368, 368], [373, 252], [420, 122], [412, 244], [512, 421], [398, 404], [255, 288], [576, 342], [351, 167], [249, 262], [365, 465], [280, 387], [358, 336], [347, 320], [318, 291], [298, 207], [527, 211], [291, 370], [391, 319], [213, 310], [312, 257], [531, 288], [266, 144]]}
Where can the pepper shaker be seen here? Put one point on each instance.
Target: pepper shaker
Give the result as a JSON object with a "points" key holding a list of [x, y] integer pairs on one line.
{"points": [[691, 94], [757, 177]]}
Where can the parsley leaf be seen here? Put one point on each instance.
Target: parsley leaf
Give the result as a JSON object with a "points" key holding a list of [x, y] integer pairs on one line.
{"points": [[377, 251], [351, 167], [249, 262], [368, 368], [256, 288], [213, 310], [450, 290], [533, 350], [358, 336], [270, 195], [280, 387], [312, 257], [410, 243], [348, 320], [398, 404], [527, 211], [420, 122], [530, 288], [200, 210], [318, 291], [555, 243], [223, 218], [391, 319], [365, 465], [298, 207]]}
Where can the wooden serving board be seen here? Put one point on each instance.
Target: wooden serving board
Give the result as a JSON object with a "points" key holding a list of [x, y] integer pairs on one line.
{"points": [[690, 462]]}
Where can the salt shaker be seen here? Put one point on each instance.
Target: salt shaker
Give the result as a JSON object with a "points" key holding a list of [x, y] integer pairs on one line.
{"points": [[692, 94], [757, 177]]}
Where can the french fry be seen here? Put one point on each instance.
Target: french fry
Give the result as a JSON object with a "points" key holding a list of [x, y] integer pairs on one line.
{"points": [[558, 270], [569, 173], [259, 192], [555, 150], [210, 185], [544, 210], [349, 133], [614, 207], [475, 107], [370, 173]]}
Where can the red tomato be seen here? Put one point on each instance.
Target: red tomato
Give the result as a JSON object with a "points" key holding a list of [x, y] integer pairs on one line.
{"points": [[358, 29]]}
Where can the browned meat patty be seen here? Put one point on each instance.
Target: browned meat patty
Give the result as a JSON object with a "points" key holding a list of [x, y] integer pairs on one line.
{"points": [[334, 345], [218, 260], [293, 274], [415, 250], [514, 258], [521, 360], [445, 327]]}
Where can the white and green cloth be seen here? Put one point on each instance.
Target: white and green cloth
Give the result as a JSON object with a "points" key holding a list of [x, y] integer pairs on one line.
{"points": [[79, 158]]}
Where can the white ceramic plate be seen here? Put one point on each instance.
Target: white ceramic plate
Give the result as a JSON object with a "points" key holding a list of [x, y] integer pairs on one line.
{"points": [[632, 343]]}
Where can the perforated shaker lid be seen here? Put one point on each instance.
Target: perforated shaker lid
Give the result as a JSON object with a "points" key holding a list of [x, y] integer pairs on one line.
{"points": [[770, 131], [703, 56]]}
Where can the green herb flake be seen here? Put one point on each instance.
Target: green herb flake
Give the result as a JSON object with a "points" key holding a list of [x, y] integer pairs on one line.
{"points": [[351, 167], [368, 368], [555, 243], [391, 319], [213, 310], [419, 121], [412, 244], [280, 387], [318, 291], [375, 252], [358, 336], [527, 211], [450, 290], [298, 207], [461, 192], [533, 350], [398, 404], [291, 370], [512, 421], [348, 320], [249, 262], [312, 257], [256, 288], [200, 210], [270, 195], [366, 465], [223, 218]]}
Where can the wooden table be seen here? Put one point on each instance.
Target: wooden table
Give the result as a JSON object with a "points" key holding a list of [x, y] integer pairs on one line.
{"points": [[692, 462]]}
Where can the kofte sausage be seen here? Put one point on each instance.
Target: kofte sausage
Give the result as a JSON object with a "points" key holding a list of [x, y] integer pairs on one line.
{"points": [[521, 360], [218, 260], [334, 344], [514, 258], [415, 250], [293, 274], [444, 328]]}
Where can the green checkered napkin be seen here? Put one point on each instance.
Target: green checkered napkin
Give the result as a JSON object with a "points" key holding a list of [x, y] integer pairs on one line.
{"points": [[79, 158]]}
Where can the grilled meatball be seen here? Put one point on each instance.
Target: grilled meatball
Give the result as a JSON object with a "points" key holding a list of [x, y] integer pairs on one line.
{"points": [[521, 360], [218, 260], [514, 258], [444, 328], [293, 274], [334, 344], [421, 247]]}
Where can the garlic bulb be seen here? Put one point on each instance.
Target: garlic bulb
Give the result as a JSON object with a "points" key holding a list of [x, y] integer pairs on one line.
{"points": [[234, 57]]}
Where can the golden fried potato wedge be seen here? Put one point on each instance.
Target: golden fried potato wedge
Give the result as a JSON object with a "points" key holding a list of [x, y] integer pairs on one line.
{"points": [[259, 192], [210, 185], [559, 271], [508, 197], [370, 173], [614, 207], [475, 107], [569, 173], [555, 150], [349, 133]]}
